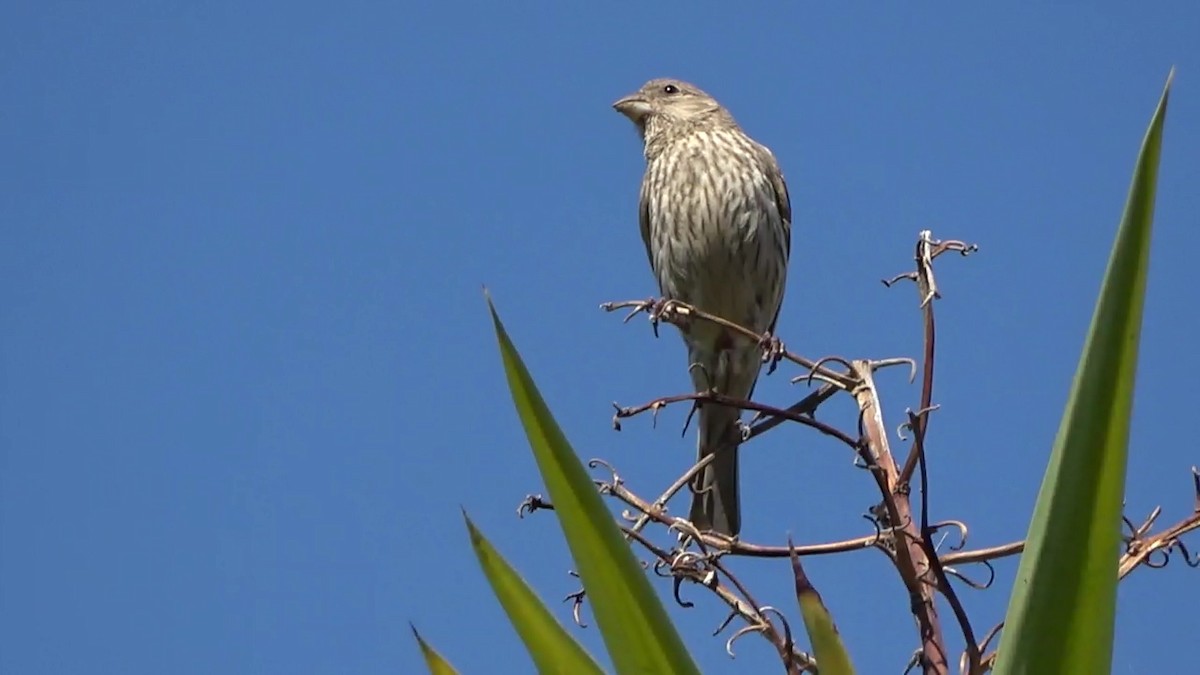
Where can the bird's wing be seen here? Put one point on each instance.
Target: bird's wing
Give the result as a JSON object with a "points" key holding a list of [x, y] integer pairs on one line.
{"points": [[644, 223], [782, 200]]}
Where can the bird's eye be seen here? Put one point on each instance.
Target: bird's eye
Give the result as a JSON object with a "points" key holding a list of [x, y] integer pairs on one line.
{"points": [[670, 89]]}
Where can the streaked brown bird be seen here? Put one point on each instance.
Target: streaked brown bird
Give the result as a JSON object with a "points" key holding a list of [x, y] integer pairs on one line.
{"points": [[716, 220]]}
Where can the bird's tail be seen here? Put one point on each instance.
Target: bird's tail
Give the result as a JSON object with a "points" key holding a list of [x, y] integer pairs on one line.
{"points": [[715, 502]]}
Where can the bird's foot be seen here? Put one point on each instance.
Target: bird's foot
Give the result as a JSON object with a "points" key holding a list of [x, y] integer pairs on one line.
{"points": [[669, 311], [743, 431], [686, 532], [723, 542], [773, 351], [636, 308], [658, 309]]}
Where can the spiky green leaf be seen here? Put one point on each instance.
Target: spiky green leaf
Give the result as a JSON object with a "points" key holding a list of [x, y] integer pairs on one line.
{"points": [[552, 648], [434, 661], [637, 632], [1061, 613]]}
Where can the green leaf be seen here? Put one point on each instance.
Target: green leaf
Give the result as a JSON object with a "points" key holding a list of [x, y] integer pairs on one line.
{"points": [[1060, 616], [433, 660], [831, 654], [552, 648], [637, 632]]}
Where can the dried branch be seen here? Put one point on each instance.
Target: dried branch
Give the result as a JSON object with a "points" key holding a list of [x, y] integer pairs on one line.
{"points": [[911, 559], [680, 313], [983, 554], [1140, 546], [720, 399], [926, 251], [700, 557], [805, 406]]}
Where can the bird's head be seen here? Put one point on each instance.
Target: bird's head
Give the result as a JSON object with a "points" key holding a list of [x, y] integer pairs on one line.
{"points": [[667, 102]]}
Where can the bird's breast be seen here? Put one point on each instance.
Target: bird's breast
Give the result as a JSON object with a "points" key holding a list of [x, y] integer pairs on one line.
{"points": [[715, 234]]}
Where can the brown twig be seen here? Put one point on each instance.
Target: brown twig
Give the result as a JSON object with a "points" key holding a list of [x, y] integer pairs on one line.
{"points": [[675, 312], [910, 556], [705, 569], [926, 251], [737, 547], [1141, 546], [805, 406], [769, 412], [983, 554], [908, 541], [721, 399]]}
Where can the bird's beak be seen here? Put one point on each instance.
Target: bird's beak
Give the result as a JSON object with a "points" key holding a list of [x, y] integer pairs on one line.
{"points": [[634, 106]]}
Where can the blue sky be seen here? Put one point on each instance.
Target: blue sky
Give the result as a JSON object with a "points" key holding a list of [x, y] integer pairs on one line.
{"points": [[248, 375]]}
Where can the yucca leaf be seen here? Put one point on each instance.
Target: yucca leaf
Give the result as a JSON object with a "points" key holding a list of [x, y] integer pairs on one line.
{"points": [[433, 660], [826, 643], [552, 648], [1061, 612], [636, 630]]}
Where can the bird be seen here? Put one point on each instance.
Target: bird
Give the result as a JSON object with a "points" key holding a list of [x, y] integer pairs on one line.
{"points": [[716, 219]]}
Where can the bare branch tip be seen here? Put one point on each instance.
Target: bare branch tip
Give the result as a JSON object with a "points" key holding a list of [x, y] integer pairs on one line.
{"points": [[533, 503], [744, 630], [1196, 486], [911, 276]]}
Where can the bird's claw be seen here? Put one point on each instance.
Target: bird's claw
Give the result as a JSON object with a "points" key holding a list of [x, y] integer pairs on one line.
{"points": [[773, 351], [646, 306], [667, 310], [659, 310]]}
